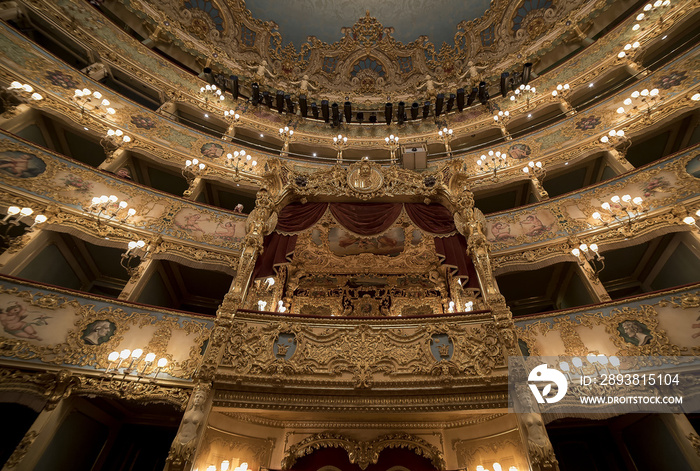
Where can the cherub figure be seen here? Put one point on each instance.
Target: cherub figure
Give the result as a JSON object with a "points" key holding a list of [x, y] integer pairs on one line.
{"points": [[304, 85], [429, 86], [12, 321], [473, 72], [261, 72]]}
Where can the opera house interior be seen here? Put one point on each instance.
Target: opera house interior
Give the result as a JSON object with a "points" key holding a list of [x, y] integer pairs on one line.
{"points": [[320, 235]]}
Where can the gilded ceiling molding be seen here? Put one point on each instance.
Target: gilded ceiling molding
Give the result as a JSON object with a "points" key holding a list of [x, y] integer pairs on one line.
{"points": [[363, 453]]}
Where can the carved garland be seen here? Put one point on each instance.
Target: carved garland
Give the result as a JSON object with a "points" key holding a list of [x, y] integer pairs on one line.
{"points": [[363, 453]]}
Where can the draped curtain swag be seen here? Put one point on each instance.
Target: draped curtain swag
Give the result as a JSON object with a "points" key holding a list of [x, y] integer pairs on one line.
{"points": [[365, 219]]}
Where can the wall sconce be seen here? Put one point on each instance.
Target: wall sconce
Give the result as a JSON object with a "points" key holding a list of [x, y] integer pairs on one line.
{"points": [[493, 161], [589, 253], [16, 94], [211, 91], [231, 116], [14, 217], [193, 169], [503, 117], [624, 207], [535, 169], [561, 90], [340, 142], [615, 139], [446, 136], [111, 208], [691, 221], [523, 92], [135, 358], [392, 142], [241, 160], [135, 250], [85, 97], [114, 139]]}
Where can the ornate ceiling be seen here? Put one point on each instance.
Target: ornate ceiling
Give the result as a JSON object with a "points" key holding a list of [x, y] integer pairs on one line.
{"points": [[343, 49]]}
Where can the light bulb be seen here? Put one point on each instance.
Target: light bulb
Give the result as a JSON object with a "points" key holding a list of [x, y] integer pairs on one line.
{"points": [[132, 245], [620, 133], [627, 47], [113, 198], [637, 200], [86, 92], [40, 218], [124, 354], [654, 92], [614, 361], [26, 211], [592, 358], [564, 366], [604, 139], [626, 198], [594, 247], [628, 101], [689, 220], [620, 110], [640, 17], [621, 54], [635, 44], [605, 206], [131, 211], [615, 199], [97, 95], [126, 139], [113, 356], [12, 210], [645, 92], [195, 161], [118, 132], [577, 362], [597, 215], [576, 252], [647, 7], [137, 353], [635, 94], [150, 357], [27, 88], [123, 204], [140, 244], [37, 97], [583, 247], [602, 359], [636, 27], [162, 362]]}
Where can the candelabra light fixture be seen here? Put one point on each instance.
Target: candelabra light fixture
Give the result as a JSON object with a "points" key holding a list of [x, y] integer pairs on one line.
{"points": [[114, 139], [523, 92], [286, 135], [496, 467], [193, 169], [492, 162], [133, 358], [14, 218], [340, 143], [226, 465], [392, 142], [589, 253], [91, 101], [212, 91], [622, 208], [239, 160], [110, 208], [446, 135], [646, 97], [577, 367]]}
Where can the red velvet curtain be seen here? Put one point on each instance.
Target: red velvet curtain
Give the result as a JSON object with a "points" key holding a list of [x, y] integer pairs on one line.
{"points": [[366, 219]]}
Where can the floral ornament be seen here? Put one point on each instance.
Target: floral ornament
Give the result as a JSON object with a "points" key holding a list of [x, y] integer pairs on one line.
{"points": [[76, 183], [673, 79], [60, 79], [588, 123], [655, 185], [143, 122]]}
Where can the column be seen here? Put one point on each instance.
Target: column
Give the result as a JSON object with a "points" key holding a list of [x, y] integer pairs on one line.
{"points": [[195, 189], [183, 450], [592, 282], [685, 436], [115, 160], [537, 189], [22, 249], [617, 161], [30, 449], [96, 71], [133, 288]]}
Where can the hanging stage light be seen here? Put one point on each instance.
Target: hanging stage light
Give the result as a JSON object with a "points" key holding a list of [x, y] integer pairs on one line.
{"points": [[289, 103], [460, 99], [414, 110], [233, 86], [527, 72], [256, 94], [347, 111], [314, 110], [472, 96], [401, 112], [483, 93], [426, 109], [335, 113], [450, 102], [324, 111], [388, 111], [279, 101], [504, 84], [303, 106]]}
